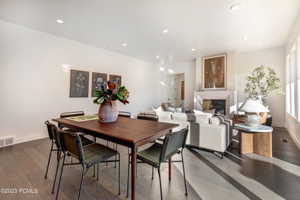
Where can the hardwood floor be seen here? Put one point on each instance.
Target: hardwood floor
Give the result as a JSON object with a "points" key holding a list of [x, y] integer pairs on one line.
{"points": [[23, 166], [249, 177], [275, 174]]}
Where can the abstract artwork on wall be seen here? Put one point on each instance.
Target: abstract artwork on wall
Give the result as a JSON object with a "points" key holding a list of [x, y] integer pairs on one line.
{"points": [[99, 80], [79, 83], [214, 72], [117, 79]]}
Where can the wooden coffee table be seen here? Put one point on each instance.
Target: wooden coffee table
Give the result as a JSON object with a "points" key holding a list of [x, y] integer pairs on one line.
{"points": [[256, 140]]}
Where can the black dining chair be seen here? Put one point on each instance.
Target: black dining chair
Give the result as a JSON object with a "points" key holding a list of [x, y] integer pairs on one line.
{"points": [[55, 147], [70, 114], [156, 154], [124, 114], [87, 156], [85, 140], [146, 116], [73, 114]]}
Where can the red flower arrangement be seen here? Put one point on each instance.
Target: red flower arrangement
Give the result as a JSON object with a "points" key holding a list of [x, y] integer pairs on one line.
{"points": [[109, 92]]}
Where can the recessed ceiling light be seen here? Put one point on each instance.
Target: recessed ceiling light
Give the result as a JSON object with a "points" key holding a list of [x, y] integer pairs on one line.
{"points": [[60, 21], [171, 71], [245, 38], [124, 44], [235, 6], [162, 69], [165, 31], [157, 57], [194, 49]]}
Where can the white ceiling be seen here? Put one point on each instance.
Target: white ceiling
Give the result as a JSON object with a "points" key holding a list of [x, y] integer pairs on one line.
{"points": [[206, 25]]}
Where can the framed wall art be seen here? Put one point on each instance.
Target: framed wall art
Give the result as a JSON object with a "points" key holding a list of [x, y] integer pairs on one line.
{"points": [[79, 83], [117, 79], [214, 72], [99, 80]]}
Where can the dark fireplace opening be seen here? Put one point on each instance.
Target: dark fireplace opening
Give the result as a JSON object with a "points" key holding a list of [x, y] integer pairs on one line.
{"points": [[219, 105]]}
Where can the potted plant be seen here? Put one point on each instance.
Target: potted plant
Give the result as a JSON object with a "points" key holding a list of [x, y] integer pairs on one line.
{"points": [[107, 98], [261, 82]]}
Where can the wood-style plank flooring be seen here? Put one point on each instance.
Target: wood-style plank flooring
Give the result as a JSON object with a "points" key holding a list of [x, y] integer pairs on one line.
{"points": [[23, 166], [248, 177]]}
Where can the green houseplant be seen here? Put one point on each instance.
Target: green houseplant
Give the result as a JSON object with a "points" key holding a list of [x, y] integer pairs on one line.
{"points": [[261, 82], [107, 98]]}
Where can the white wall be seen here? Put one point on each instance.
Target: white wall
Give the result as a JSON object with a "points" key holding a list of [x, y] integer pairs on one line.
{"points": [[188, 68], [244, 64], [241, 64], [174, 93], [35, 87], [292, 124]]}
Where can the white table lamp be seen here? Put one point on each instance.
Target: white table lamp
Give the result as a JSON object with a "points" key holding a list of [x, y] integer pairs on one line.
{"points": [[253, 108]]}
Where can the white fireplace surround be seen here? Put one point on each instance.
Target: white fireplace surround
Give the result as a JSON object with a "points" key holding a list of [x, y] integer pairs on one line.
{"points": [[230, 96]]}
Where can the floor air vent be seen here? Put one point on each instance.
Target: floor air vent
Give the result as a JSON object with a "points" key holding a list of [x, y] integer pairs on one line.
{"points": [[284, 140], [7, 141]]}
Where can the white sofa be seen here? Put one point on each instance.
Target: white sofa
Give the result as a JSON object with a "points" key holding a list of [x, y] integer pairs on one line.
{"points": [[213, 133]]}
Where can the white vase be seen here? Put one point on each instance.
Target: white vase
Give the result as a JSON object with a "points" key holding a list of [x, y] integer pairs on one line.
{"points": [[108, 112]]}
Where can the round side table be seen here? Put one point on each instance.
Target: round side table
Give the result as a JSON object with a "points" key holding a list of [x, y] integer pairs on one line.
{"points": [[256, 140]]}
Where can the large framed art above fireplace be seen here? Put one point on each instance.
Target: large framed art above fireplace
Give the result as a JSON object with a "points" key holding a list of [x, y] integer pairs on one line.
{"points": [[214, 72], [221, 101]]}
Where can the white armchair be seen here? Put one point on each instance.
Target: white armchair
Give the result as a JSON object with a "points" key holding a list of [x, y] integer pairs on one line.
{"points": [[212, 135]]}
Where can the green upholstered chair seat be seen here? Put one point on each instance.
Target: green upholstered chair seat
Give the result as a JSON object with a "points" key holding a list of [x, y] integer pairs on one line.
{"points": [[88, 156], [85, 141], [151, 155], [95, 153]]}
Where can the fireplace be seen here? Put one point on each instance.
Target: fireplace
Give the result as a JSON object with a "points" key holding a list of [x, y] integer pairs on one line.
{"points": [[223, 101], [219, 105]]}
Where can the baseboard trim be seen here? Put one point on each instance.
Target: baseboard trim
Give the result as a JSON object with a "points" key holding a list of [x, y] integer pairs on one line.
{"points": [[29, 138], [295, 139], [292, 125]]}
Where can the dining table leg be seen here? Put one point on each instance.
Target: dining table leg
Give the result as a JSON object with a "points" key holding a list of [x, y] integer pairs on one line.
{"points": [[133, 171]]}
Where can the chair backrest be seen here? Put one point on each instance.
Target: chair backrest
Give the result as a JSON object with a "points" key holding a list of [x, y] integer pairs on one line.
{"points": [[124, 114], [172, 143], [53, 133], [71, 143], [150, 117], [50, 129], [71, 114]]}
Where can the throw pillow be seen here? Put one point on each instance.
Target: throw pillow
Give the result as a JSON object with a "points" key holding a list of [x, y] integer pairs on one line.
{"points": [[215, 121]]}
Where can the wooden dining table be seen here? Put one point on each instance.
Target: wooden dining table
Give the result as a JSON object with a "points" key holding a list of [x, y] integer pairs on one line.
{"points": [[131, 133]]}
